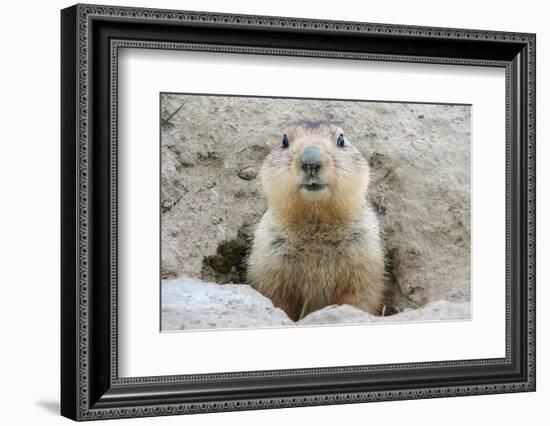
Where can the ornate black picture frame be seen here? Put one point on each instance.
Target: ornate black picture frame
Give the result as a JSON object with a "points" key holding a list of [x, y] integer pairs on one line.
{"points": [[90, 385]]}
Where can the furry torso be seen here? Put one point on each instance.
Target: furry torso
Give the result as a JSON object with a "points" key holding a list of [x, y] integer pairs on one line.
{"points": [[318, 264]]}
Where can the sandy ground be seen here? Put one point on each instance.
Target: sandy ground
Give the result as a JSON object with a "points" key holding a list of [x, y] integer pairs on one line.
{"points": [[213, 147]]}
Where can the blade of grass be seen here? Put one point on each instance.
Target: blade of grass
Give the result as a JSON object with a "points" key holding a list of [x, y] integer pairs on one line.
{"points": [[167, 120], [303, 311]]}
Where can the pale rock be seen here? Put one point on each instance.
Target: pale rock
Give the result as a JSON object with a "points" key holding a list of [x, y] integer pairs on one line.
{"points": [[190, 304], [346, 314]]}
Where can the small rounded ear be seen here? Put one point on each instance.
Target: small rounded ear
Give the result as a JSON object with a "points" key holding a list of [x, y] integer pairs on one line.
{"points": [[335, 132], [290, 132]]}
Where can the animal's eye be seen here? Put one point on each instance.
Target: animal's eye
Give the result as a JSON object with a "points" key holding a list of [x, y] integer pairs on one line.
{"points": [[285, 141], [340, 141]]}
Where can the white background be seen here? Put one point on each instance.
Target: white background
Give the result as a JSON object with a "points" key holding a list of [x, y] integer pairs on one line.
{"points": [[29, 225], [146, 352]]}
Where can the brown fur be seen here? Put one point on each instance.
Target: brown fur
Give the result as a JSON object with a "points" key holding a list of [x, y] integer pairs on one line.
{"points": [[319, 248]]}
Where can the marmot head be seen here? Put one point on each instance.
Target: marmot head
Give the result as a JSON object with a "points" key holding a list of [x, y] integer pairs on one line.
{"points": [[315, 174]]}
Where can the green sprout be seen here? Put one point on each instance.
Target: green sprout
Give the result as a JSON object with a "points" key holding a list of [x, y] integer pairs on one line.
{"points": [[303, 311], [166, 121]]}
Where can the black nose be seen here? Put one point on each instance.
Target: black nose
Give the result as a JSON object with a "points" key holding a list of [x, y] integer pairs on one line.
{"points": [[311, 159]]}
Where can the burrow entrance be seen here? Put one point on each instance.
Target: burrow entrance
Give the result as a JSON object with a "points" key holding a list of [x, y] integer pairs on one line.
{"points": [[228, 266]]}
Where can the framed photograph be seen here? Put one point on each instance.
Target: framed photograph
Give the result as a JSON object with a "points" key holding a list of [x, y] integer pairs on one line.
{"points": [[263, 212]]}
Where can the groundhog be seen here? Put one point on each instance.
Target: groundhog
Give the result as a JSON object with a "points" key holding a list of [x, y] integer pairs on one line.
{"points": [[319, 242]]}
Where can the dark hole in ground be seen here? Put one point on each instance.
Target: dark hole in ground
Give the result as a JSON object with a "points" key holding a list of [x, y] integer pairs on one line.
{"points": [[393, 296], [228, 265], [395, 300]]}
